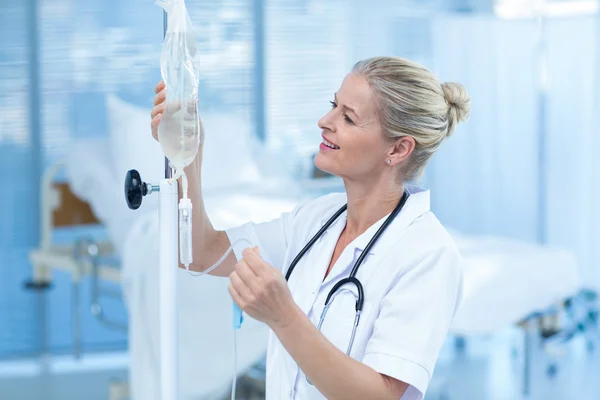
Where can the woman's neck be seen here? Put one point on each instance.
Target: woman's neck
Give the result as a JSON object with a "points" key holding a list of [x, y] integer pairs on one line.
{"points": [[368, 203]]}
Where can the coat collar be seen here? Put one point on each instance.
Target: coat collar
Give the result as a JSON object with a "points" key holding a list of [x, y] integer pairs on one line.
{"points": [[418, 203]]}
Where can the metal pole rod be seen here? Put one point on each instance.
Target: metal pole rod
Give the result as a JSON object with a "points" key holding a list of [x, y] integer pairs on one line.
{"points": [[167, 274], [168, 294], [168, 171], [76, 315], [35, 132]]}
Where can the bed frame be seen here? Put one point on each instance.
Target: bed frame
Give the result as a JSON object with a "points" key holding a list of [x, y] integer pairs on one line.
{"points": [[62, 209], [549, 330]]}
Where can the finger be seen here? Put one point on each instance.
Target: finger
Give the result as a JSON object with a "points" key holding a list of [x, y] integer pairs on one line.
{"points": [[235, 295], [239, 286], [155, 122], [160, 96], [254, 261], [160, 86], [245, 273], [156, 119], [158, 109]]}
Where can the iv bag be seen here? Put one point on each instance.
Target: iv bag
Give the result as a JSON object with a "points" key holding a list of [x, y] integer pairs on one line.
{"points": [[180, 131]]}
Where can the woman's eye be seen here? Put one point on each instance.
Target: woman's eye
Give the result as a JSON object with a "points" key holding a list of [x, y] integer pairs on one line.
{"points": [[346, 117]]}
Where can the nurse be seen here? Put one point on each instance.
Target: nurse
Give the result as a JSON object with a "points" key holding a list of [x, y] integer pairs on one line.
{"points": [[387, 119]]}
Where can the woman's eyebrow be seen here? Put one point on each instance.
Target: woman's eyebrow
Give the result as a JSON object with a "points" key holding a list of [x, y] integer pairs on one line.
{"points": [[346, 107]]}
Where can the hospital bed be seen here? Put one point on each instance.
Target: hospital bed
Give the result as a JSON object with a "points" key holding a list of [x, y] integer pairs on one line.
{"points": [[543, 282], [533, 287], [61, 209]]}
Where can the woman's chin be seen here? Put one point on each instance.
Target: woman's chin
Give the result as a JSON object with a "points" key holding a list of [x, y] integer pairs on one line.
{"points": [[324, 166]]}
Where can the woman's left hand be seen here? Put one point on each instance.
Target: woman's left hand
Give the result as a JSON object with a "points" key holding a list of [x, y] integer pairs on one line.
{"points": [[261, 290]]}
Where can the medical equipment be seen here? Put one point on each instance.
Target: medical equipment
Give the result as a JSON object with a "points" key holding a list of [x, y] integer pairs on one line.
{"points": [[135, 190], [180, 131], [543, 281], [352, 278], [179, 136]]}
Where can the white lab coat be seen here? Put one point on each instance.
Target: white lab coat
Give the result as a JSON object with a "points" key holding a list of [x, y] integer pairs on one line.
{"points": [[412, 280]]}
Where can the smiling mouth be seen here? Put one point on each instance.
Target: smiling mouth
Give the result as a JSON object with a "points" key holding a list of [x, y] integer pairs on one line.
{"points": [[330, 145]]}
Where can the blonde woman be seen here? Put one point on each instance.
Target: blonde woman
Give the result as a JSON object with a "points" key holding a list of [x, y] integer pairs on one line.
{"points": [[387, 269]]}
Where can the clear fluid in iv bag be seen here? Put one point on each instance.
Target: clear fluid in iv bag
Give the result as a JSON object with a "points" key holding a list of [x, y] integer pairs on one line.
{"points": [[180, 131], [179, 134]]}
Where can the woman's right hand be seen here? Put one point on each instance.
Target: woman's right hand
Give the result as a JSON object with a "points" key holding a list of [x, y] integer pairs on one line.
{"points": [[159, 106]]}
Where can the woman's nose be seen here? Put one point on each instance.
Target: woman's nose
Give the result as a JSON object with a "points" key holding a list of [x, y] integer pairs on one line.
{"points": [[326, 122]]}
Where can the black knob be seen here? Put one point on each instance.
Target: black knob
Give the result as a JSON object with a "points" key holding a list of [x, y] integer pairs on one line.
{"points": [[135, 189]]}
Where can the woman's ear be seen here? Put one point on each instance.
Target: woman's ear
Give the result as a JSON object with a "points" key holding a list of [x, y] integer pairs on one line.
{"points": [[401, 150]]}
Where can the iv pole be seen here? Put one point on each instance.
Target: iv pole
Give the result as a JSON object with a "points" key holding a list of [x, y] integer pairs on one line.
{"points": [[168, 171], [168, 265]]}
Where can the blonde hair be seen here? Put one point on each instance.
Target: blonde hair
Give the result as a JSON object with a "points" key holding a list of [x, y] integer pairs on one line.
{"points": [[412, 102]]}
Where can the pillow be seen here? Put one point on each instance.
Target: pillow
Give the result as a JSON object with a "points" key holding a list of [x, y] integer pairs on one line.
{"points": [[227, 156]]}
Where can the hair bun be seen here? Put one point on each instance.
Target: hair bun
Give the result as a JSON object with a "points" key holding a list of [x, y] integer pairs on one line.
{"points": [[459, 104]]}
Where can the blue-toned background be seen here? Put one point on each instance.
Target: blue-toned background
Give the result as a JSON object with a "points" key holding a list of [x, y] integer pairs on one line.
{"points": [[524, 166]]}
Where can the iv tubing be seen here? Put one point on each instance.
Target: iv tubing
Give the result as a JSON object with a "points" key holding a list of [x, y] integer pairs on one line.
{"points": [[208, 270], [233, 385], [211, 268], [184, 183]]}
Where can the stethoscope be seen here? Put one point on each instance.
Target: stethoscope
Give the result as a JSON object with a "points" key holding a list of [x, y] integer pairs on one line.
{"points": [[351, 279]]}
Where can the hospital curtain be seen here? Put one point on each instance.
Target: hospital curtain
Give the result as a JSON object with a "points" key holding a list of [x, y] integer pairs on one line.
{"points": [[497, 175], [484, 179], [572, 162]]}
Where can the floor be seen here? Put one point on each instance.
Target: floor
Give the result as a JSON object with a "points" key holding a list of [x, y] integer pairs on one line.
{"points": [[486, 369], [63, 379]]}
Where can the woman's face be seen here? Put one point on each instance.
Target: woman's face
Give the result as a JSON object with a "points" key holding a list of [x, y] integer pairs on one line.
{"points": [[353, 128]]}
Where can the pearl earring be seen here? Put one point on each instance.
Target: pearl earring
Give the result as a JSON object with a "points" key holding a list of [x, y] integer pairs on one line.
{"points": [[388, 161]]}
